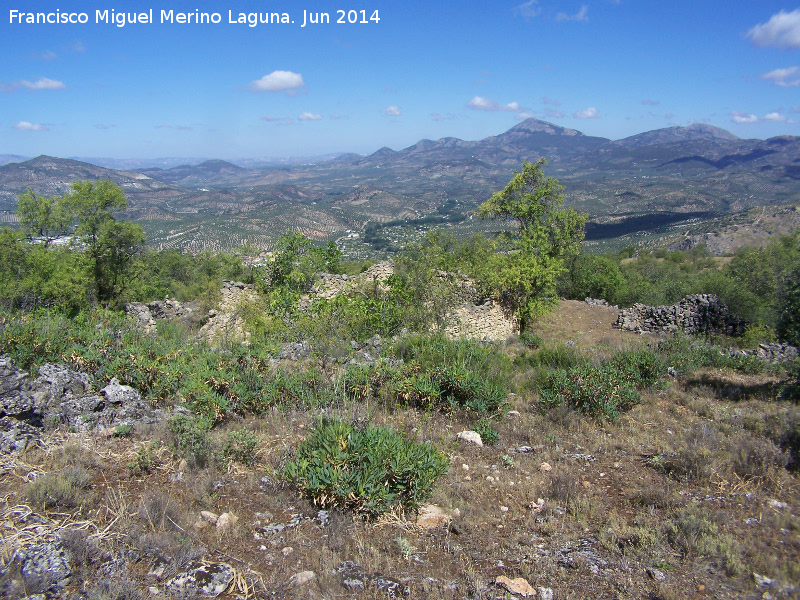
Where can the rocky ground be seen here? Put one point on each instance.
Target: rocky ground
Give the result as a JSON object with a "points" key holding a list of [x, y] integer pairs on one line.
{"points": [[561, 507]]}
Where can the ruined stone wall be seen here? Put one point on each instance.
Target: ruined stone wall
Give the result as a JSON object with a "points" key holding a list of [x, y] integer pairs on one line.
{"points": [[486, 321], [474, 317], [698, 314], [329, 285], [226, 324]]}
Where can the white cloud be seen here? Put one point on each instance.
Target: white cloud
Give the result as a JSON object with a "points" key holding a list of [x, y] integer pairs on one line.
{"points": [[775, 117], [524, 114], [26, 126], [743, 117], [481, 103], [307, 116], [579, 16], [392, 111], [782, 30], [529, 9], [277, 81], [788, 77], [43, 83], [587, 113]]}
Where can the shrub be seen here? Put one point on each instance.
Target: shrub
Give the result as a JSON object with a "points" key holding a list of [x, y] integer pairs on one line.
{"points": [[189, 438], [596, 391], [367, 470], [488, 433], [240, 446], [65, 489], [448, 388]]}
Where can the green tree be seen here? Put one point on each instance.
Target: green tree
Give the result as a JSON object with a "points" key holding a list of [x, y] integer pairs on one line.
{"points": [[594, 276], [297, 260], [110, 244], [788, 328], [525, 276], [42, 217]]}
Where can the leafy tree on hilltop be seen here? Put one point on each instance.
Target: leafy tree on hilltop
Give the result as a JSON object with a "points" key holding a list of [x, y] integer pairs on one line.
{"points": [[547, 234], [42, 217], [87, 212]]}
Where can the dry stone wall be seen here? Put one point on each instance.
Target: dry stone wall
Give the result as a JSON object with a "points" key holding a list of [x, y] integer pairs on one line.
{"points": [[698, 314], [474, 317], [226, 323]]}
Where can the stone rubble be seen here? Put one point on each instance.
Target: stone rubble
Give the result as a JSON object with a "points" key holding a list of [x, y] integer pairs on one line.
{"points": [[61, 396], [698, 314]]}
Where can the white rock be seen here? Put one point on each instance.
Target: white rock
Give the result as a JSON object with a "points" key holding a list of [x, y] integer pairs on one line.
{"points": [[432, 516], [226, 521], [473, 437], [302, 578]]}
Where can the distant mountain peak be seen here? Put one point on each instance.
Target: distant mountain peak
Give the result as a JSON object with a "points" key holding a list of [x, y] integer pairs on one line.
{"points": [[536, 126], [671, 135], [218, 165]]}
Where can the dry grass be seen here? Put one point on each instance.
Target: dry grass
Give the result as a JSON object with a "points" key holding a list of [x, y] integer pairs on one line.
{"points": [[685, 483]]}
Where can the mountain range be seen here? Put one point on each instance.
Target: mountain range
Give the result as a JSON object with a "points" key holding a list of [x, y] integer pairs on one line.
{"points": [[691, 170]]}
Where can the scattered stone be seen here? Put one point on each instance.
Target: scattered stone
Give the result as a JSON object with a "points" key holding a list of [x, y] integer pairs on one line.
{"points": [[287, 550], [226, 521], [46, 563], [545, 593], [656, 575], [777, 504], [210, 579], [355, 578], [472, 437], [762, 581], [432, 516], [518, 586], [545, 467], [209, 516], [302, 578]]}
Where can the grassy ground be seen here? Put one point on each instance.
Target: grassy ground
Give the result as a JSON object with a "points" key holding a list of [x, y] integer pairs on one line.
{"points": [[687, 495]]}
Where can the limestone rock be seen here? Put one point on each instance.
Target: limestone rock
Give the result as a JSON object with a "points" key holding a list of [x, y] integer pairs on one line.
{"points": [[226, 521], [207, 579], [473, 437], [518, 586], [302, 578], [432, 516]]}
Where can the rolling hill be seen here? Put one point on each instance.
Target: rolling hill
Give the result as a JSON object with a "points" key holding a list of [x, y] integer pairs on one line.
{"points": [[674, 172]]}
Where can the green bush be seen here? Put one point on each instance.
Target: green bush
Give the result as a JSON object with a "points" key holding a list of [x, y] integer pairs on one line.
{"points": [[600, 392], [240, 446], [367, 470], [447, 388], [639, 368], [605, 390], [189, 438], [485, 428]]}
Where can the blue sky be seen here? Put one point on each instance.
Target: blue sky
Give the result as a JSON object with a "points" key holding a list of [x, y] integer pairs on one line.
{"points": [[470, 69]]}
